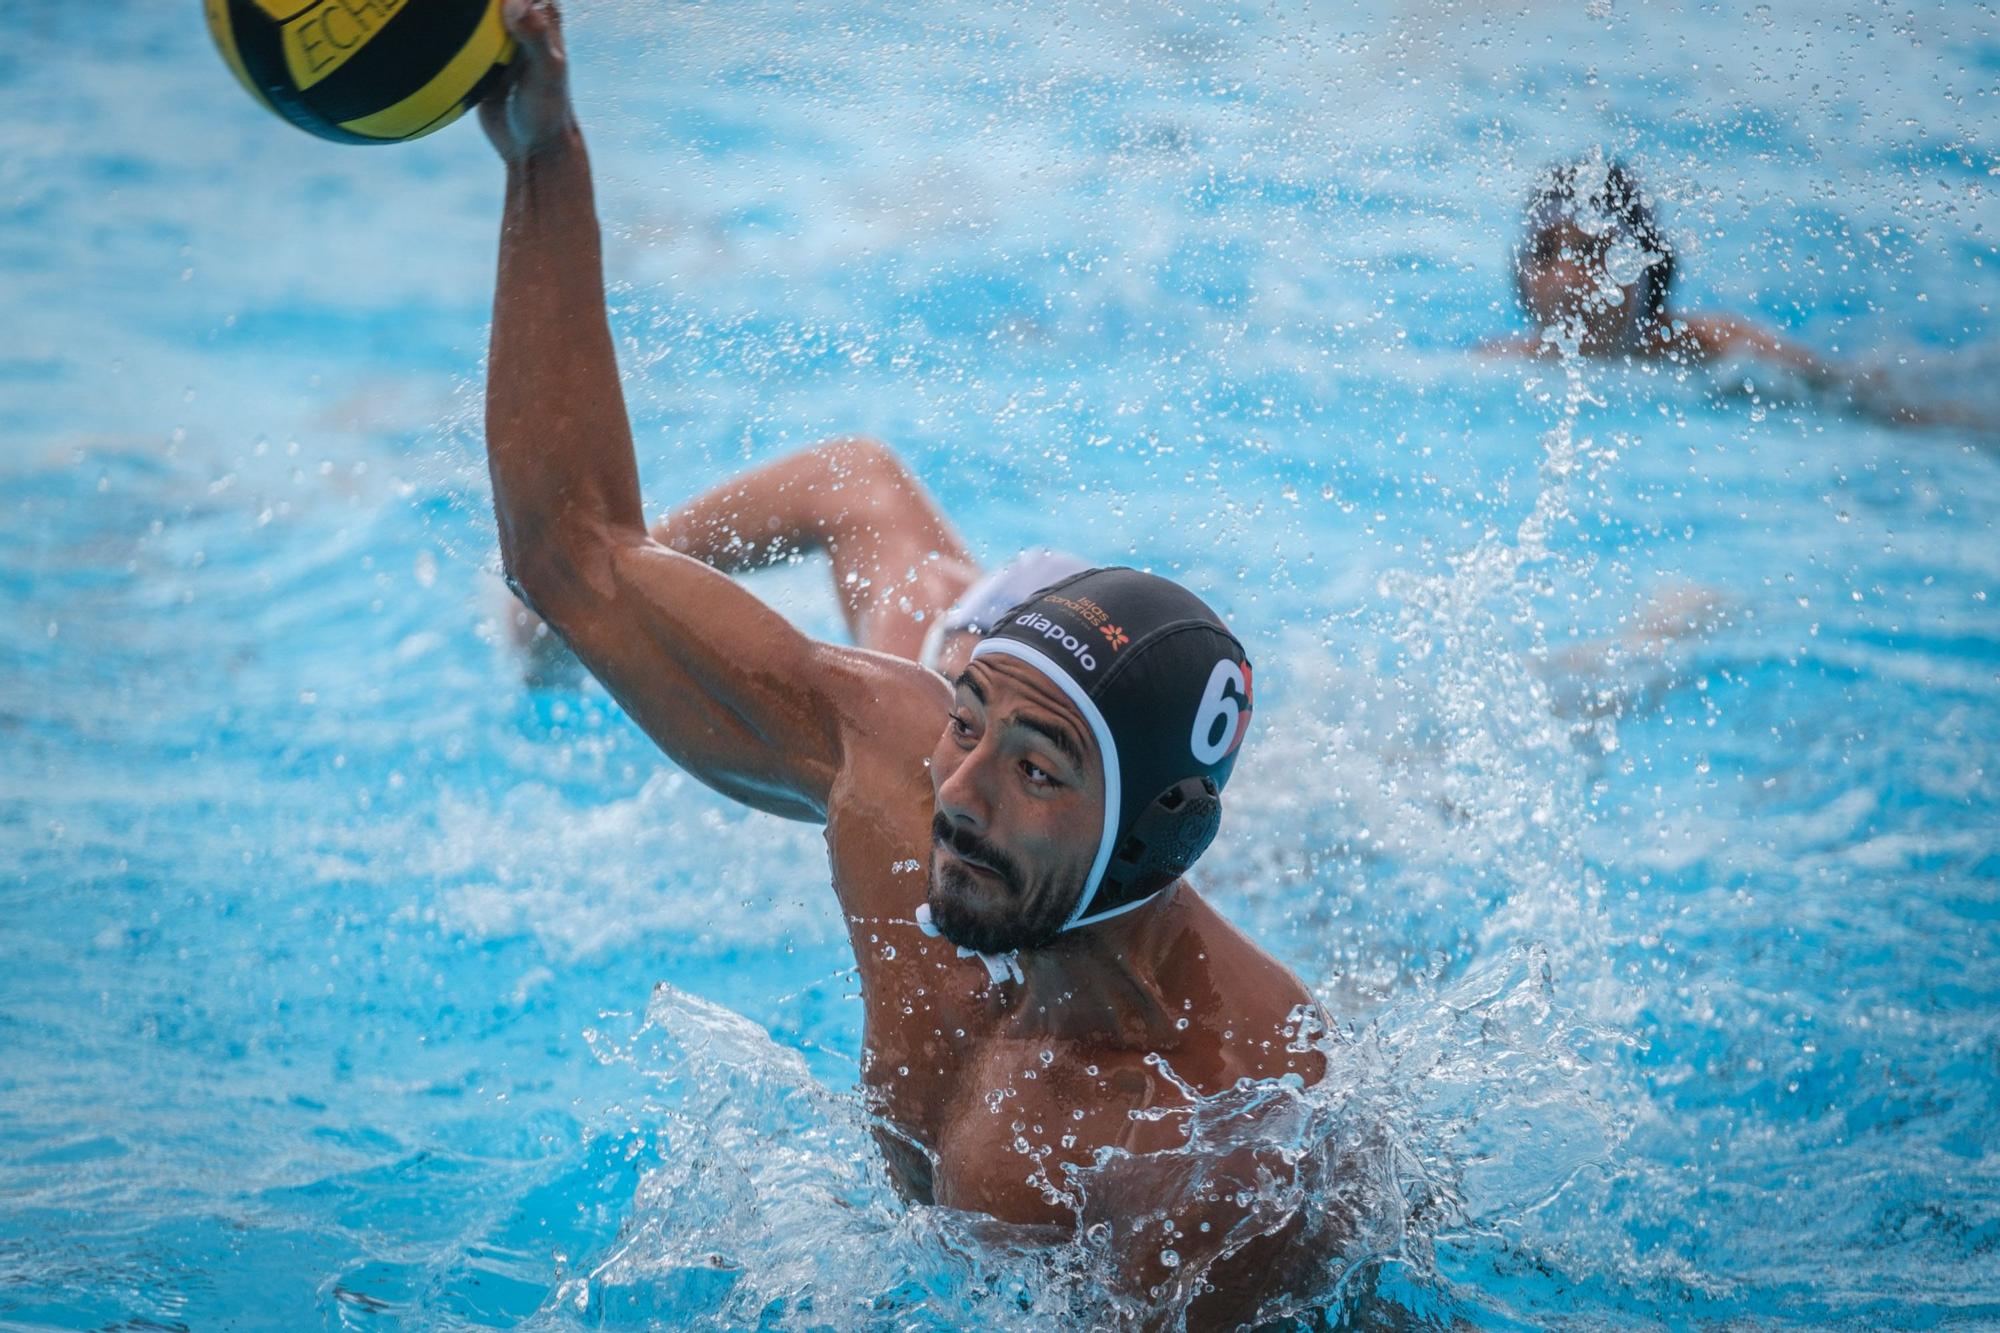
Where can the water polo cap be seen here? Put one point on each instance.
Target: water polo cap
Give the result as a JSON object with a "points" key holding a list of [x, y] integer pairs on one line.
{"points": [[1601, 197], [1165, 688]]}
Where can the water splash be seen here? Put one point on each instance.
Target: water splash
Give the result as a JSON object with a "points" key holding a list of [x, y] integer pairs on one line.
{"points": [[769, 1206]]}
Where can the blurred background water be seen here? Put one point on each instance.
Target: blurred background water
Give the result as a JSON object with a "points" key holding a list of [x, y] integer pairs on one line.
{"points": [[346, 982]]}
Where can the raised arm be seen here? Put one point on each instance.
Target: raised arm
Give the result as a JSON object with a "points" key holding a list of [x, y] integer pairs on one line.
{"points": [[1864, 392], [724, 684], [898, 563]]}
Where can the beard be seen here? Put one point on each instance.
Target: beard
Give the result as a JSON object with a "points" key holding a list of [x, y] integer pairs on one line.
{"points": [[974, 912]]}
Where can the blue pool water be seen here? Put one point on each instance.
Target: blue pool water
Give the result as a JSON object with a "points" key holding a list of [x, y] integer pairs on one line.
{"points": [[346, 983]]}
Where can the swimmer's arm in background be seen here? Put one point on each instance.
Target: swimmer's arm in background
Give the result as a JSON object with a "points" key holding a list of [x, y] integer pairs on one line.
{"points": [[1513, 345], [1716, 336], [897, 561], [1865, 393], [722, 683], [1860, 391]]}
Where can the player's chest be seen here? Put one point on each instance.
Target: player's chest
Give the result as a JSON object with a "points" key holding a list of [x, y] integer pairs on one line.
{"points": [[1002, 1123]]}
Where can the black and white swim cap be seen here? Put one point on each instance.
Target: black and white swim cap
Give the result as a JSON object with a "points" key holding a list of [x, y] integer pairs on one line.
{"points": [[1165, 688]]}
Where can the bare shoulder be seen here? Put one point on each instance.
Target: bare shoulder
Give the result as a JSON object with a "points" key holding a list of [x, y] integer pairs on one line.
{"points": [[888, 715], [1222, 939], [1259, 1015], [884, 706]]}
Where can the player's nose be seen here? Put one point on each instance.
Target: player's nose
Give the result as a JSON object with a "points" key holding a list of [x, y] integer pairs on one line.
{"points": [[964, 795]]}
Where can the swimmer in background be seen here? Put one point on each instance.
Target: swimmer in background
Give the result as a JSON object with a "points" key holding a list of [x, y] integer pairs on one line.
{"points": [[1594, 271], [1043, 993], [906, 581]]}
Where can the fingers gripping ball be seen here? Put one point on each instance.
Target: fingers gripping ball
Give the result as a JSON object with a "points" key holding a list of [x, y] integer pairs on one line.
{"points": [[363, 71]]}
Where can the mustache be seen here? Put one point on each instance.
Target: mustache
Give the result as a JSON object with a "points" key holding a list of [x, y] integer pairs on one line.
{"points": [[970, 845]]}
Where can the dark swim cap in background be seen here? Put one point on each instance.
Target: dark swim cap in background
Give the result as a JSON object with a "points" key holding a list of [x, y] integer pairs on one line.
{"points": [[1165, 688], [1602, 197]]}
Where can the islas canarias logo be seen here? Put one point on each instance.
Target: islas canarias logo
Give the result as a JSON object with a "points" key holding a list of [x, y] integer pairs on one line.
{"points": [[1118, 637]]}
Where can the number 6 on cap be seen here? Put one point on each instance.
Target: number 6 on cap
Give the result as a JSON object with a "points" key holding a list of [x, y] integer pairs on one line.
{"points": [[1220, 722]]}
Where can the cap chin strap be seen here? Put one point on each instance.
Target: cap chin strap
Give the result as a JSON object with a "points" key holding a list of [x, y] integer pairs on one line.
{"points": [[1107, 747], [1119, 910], [999, 966]]}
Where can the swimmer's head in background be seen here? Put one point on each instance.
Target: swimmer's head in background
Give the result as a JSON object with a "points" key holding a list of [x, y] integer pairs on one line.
{"points": [[1165, 688], [1590, 226]]}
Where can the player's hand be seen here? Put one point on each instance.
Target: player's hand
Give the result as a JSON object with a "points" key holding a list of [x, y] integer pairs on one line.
{"points": [[530, 111]]}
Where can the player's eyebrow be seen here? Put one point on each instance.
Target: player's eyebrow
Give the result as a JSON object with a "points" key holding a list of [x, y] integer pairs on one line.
{"points": [[1056, 735]]}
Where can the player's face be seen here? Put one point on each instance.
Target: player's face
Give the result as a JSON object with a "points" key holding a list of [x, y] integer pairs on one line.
{"points": [[1018, 787], [1564, 284]]}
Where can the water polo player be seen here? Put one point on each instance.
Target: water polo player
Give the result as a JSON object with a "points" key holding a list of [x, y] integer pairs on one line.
{"points": [[1007, 850], [1594, 272], [906, 581]]}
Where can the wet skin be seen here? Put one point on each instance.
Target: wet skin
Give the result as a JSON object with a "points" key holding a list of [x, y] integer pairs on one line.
{"points": [[896, 560], [956, 1062], [979, 1085]]}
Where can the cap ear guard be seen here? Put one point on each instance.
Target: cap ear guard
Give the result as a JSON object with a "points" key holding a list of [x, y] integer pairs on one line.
{"points": [[1169, 835]]}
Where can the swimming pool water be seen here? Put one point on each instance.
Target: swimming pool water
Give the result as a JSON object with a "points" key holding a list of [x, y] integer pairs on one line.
{"points": [[345, 982]]}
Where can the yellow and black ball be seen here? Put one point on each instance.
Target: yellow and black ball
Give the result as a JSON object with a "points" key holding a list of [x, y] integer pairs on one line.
{"points": [[363, 71]]}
